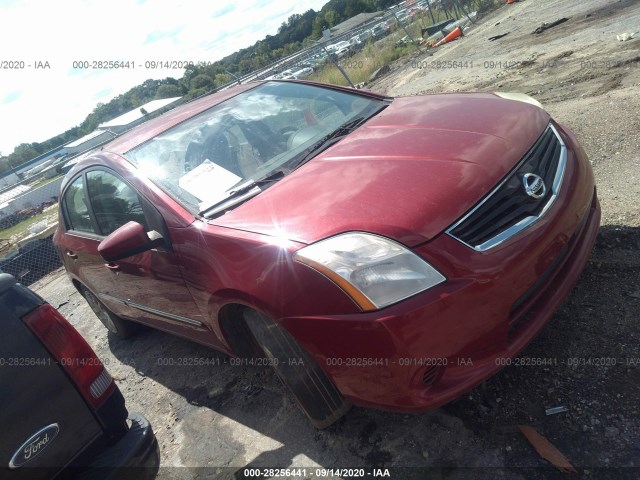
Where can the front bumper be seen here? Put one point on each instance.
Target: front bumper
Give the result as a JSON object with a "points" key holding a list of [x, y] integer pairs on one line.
{"points": [[428, 350]]}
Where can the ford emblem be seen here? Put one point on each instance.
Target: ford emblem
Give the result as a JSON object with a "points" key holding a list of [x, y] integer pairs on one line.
{"points": [[34, 446]]}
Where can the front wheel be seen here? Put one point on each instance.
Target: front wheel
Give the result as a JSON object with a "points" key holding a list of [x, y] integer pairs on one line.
{"points": [[312, 389], [113, 323]]}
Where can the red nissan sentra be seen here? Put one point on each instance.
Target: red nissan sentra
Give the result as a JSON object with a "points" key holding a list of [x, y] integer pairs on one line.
{"points": [[386, 252]]}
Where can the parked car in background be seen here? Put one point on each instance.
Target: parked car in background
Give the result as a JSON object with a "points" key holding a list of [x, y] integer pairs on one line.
{"points": [[343, 51], [364, 37], [302, 73], [62, 414], [412, 12], [390, 24], [285, 75], [355, 44], [404, 16], [379, 30], [379, 251], [338, 47]]}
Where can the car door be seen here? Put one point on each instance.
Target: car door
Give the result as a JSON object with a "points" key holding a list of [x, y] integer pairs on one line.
{"points": [[150, 283], [78, 241]]}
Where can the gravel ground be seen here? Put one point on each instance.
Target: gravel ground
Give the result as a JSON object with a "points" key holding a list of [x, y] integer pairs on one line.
{"points": [[213, 420]]}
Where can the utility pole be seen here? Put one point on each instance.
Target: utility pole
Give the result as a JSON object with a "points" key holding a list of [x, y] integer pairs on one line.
{"points": [[335, 62], [407, 32]]}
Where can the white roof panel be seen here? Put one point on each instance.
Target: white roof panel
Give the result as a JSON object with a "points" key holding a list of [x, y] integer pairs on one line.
{"points": [[86, 138], [136, 113], [13, 193]]}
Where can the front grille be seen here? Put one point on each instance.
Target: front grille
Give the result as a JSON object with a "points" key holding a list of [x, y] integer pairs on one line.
{"points": [[509, 209]]}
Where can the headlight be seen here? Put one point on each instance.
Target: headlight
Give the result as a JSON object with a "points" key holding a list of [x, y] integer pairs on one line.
{"points": [[373, 270]]}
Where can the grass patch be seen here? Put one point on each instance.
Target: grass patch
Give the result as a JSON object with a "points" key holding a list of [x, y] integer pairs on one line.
{"points": [[20, 230], [360, 66]]}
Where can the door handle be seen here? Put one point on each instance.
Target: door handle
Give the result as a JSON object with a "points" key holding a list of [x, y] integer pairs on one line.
{"points": [[114, 267], [71, 254]]}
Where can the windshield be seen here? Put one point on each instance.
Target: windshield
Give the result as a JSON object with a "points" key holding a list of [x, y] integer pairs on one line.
{"points": [[246, 138]]}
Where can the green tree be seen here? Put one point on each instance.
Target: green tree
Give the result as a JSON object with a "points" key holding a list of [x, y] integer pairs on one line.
{"points": [[201, 81], [222, 79], [4, 165], [22, 153], [168, 91], [319, 24], [195, 93], [332, 17], [354, 7]]}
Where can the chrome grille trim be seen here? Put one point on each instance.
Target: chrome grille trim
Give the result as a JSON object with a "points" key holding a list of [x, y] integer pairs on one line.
{"points": [[518, 227]]}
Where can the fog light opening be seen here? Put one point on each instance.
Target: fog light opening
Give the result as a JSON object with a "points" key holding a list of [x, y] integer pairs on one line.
{"points": [[432, 374]]}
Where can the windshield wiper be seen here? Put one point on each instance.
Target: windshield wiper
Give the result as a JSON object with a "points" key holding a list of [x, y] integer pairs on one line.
{"points": [[328, 140], [243, 187], [242, 193]]}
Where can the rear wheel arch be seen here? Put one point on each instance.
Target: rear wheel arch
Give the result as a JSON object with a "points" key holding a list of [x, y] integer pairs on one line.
{"points": [[118, 326]]}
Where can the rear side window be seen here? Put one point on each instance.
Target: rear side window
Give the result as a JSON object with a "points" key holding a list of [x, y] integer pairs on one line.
{"points": [[77, 207], [114, 203]]}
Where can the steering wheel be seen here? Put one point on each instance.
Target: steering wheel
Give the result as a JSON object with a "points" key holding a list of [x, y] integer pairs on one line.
{"points": [[314, 106], [303, 135]]}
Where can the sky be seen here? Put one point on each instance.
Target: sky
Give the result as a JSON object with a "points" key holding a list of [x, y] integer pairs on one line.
{"points": [[42, 94]]}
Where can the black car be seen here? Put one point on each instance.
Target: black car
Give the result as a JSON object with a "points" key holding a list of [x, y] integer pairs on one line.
{"points": [[61, 413]]}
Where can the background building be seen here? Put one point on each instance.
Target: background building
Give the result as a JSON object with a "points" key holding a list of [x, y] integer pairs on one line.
{"points": [[135, 117], [89, 141]]}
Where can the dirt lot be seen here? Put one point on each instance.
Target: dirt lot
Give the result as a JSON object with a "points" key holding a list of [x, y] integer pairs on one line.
{"points": [[214, 420]]}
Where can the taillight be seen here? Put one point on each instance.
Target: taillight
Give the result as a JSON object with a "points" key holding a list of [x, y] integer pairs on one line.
{"points": [[72, 352]]}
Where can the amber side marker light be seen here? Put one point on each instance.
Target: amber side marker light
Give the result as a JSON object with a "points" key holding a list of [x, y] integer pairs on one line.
{"points": [[361, 300]]}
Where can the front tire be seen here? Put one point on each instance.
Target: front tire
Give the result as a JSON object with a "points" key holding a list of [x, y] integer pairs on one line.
{"points": [[116, 325], [312, 389]]}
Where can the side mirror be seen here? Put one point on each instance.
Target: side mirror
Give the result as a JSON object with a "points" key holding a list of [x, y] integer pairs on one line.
{"points": [[128, 240]]}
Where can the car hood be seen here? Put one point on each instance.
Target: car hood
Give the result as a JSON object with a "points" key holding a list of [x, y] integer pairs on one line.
{"points": [[408, 173]]}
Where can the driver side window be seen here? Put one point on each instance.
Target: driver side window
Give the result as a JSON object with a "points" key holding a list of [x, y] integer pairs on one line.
{"points": [[114, 203], [77, 208]]}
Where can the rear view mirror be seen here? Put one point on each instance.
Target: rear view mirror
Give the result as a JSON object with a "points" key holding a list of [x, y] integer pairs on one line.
{"points": [[128, 240]]}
